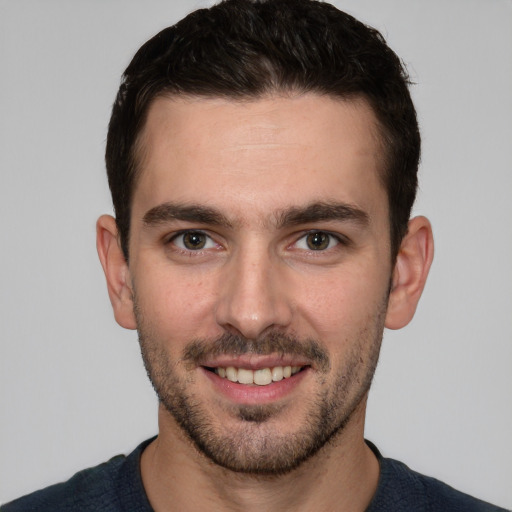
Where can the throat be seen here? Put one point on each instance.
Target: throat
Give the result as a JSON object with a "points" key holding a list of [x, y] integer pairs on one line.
{"points": [[342, 476]]}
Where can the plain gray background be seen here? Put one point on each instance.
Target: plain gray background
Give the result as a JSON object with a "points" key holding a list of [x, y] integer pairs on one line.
{"points": [[73, 391]]}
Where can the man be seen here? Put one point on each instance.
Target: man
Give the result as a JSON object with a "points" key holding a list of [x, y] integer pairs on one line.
{"points": [[262, 159]]}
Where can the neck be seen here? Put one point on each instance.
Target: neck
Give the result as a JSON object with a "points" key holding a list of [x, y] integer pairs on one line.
{"points": [[342, 476]]}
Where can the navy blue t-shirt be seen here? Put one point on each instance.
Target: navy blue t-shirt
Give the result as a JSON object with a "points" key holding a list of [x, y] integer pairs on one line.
{"points": [[116, 486]]}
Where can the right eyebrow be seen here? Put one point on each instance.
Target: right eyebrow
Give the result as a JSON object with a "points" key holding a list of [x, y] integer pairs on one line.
{"points": [[167, 212]]}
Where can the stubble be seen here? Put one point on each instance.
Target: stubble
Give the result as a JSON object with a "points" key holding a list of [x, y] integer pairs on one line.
{"points": [[253, 444]]}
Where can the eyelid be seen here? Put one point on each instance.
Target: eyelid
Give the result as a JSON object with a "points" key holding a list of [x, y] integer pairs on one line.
{"points": [[171, 240], [338, 237]]}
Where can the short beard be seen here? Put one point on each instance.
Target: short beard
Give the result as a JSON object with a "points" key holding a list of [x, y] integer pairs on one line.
{"points": [[254, 446]]}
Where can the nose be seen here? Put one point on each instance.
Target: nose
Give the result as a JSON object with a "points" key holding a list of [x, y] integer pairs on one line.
{"points": [[254, 295]]}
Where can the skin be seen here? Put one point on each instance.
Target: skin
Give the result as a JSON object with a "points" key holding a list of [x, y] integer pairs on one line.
{"points": [[256, 164]]}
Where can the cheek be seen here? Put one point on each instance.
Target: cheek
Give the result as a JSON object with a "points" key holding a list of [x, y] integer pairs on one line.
{"points": [[176, 304], [341, 304]]}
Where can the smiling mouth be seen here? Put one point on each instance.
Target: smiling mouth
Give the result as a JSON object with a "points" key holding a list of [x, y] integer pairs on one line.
{"points": [[260, 377]]}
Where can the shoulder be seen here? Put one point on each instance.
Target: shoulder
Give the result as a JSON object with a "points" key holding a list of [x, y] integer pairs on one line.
{"points": [[103, 488], [89, 489], [401, 489]]}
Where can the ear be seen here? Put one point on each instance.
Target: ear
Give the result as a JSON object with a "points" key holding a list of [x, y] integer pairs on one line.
{"points": [[410, 273], [116, 271]]}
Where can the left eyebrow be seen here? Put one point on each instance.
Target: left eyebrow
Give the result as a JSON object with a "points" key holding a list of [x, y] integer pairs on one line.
{"points": [[322, 211]]}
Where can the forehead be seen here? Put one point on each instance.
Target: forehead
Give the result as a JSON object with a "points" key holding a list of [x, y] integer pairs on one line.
{"points": [[259, 155]]}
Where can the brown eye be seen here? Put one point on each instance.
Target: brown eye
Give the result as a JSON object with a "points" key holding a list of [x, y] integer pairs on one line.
{"points": [[318, 241], [193, 240]]}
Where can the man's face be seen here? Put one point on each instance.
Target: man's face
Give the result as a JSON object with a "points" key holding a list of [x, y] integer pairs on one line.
{"points": [[260, 247]]}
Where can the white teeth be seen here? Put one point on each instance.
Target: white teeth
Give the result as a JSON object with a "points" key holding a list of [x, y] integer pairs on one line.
{"points": [[277, 373], [232, 374], [245, 376], [261, 377]]}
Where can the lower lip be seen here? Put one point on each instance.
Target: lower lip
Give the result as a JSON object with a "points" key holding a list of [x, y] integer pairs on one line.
{"points": [[254, 394]]}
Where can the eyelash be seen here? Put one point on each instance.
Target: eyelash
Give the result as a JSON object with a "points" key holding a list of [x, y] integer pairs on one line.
{"points": [[175, 236], [339, 239]]}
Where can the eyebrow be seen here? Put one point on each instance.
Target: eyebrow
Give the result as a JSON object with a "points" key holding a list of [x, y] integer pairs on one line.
{"points": [[314, 212], [167, 212], [322, 211]]}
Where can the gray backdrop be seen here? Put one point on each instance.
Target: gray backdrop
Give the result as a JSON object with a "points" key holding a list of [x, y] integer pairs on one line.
{"points": [[73, 391]]}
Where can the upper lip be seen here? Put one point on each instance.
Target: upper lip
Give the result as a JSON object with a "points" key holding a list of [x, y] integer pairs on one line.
{"points": [[255, 361]]}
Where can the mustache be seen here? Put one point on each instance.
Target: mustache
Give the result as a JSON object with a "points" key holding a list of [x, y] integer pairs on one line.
{"points": [[200, 350]]}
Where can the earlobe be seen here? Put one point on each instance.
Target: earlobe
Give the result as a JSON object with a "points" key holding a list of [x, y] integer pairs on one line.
{"points": [[116, 271], [410, 273]]}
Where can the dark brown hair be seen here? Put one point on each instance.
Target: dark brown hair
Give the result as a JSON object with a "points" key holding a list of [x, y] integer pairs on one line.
{"points": [[246, 49]]}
